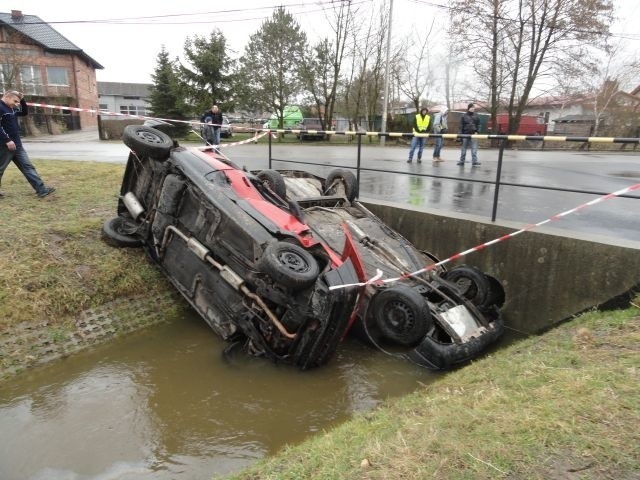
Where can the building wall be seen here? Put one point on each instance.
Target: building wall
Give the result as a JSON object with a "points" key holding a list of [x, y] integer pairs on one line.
{"points": [[80, 90], [116, 103]]}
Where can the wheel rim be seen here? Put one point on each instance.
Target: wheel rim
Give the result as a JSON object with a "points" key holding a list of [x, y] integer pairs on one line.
{"points": [[149, 137], [467, 287], [293, 262], [399, 317]]}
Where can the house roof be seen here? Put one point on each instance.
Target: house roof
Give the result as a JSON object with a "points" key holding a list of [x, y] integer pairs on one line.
{"points": [[558, 101], [43, 34], [124, 89]]}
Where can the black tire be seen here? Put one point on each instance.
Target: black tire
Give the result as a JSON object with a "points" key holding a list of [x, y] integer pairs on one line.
{"points": [[147, 141], [471, 283], [496, 296], [401, 314], [341, 181], [118, 232], [274, 181], [289, 264]]}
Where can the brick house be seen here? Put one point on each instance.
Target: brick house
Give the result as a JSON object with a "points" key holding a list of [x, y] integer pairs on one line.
{"points": [[40, 62]]}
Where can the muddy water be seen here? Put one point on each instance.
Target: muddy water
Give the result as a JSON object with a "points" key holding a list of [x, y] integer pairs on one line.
{"points": [[163, 403]]}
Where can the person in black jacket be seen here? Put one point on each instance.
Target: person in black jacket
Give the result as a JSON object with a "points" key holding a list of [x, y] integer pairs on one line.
{"points": [[213, 119], [469, 124], [13, 105]]}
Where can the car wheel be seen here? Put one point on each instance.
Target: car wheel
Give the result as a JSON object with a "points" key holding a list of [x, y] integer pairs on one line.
{"points": [[289, 264], [401, 314], [118, 232], [471, 282], [147, 142], [496, 296], [274, 181], [342, 182]]}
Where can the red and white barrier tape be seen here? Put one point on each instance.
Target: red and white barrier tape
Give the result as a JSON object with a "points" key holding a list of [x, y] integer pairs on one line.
{"points": [[496, 240], [235, 144], [117, 114]]}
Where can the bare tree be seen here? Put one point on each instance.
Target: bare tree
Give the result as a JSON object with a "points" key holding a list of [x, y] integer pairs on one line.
{"points": [[517, 42], [611, 105], [364, 83], [321, 73], [416, 76]]}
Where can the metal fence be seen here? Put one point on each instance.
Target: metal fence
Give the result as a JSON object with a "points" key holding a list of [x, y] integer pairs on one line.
{"points": [[501, 140]]}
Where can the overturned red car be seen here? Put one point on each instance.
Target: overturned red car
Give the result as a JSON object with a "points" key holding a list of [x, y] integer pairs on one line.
{"points": [[286, 263]]}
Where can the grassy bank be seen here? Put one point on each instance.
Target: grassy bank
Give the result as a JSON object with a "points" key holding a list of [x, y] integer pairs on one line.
{"points": [[53, 263], [565, 405], [54, 266]]}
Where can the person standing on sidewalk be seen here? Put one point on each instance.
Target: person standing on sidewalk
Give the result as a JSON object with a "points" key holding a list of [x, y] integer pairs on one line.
{"points": [[420, 125], [12, 106], [469, 124], [213, 119], [440, 126]]}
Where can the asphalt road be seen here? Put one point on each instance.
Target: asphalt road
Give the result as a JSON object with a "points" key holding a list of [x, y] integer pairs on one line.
{"points": [[396, 181]]}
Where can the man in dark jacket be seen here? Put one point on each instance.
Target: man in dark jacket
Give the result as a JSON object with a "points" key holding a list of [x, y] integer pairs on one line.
{"points": [[469, 124], [213, 119], [13, 105]]}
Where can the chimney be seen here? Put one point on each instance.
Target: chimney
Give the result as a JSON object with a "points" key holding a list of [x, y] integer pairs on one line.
{"points": [[16, 14]]}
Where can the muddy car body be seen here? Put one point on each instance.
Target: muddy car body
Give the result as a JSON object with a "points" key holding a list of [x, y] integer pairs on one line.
{"points": [[245, 263]]}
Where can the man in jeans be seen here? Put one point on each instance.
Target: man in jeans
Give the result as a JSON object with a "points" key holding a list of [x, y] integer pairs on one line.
{"points": [[13, 105], [420, 125], [213, 120], [469, 124]]}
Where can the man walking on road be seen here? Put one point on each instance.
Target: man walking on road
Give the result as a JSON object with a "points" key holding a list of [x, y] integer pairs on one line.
{"points": [[420, 125], [13, 105], [469, 124]]}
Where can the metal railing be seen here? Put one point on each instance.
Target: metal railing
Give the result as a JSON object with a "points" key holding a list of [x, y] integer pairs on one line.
{"points": [[502, 139]]}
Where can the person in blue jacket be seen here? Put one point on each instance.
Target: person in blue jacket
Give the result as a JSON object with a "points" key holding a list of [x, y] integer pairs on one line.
{"points": [[13, 105]]}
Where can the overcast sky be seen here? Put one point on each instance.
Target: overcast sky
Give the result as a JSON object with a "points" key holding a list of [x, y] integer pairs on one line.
{"points": [[128, 49]]}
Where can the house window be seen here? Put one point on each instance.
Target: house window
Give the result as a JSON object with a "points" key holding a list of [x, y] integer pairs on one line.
{"points": [[133, 109], [19, 52], [31, 77], [7, 77], [104, 107], [57, 76]]}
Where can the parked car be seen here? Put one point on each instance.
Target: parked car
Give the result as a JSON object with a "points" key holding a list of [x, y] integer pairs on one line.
{"points": [[272, 260], [313, 127], [226, 130]]}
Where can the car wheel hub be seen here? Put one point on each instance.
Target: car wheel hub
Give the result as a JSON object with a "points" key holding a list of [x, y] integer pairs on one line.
{"points": [[399, 317], [149, 137], [293, 262]]}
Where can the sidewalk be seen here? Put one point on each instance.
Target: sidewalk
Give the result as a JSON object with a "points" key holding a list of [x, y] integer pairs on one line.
{"points": [[89, 134]]}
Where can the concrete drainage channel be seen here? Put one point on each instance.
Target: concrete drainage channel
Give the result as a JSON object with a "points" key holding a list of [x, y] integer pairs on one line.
{"points": [[32, 344]]}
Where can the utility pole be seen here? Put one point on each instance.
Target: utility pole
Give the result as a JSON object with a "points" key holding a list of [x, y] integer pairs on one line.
{"points": [[386, 77]]}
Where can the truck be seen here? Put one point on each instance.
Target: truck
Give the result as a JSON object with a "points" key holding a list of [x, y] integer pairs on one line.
{"points": [[529, 125]]}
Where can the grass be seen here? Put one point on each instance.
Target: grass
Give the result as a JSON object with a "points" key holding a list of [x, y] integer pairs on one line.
{"points": [[565, 405], [52, 262]]}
